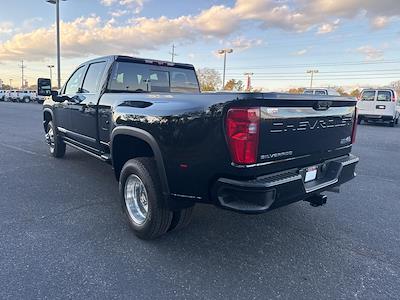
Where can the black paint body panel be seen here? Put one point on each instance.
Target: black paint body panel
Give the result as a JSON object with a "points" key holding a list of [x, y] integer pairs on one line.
{"points": [[189, 130]]}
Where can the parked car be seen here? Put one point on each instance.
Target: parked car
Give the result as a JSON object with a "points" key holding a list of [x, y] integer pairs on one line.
{"points": [[26, 96], [379, 105], [12, 95], [3, 95], [321, 92], [172, 147]]}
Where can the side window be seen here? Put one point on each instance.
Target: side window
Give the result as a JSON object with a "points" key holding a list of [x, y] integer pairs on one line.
{"points": [[308, 92], [93, 77], [74, 82], [159, 81], [368, 96]]}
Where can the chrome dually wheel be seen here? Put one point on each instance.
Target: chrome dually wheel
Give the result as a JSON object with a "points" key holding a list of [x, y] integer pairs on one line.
{"points": [[136, 199], [50, 138]]}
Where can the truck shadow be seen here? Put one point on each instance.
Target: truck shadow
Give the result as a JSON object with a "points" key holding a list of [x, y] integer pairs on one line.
{"points": [[217, 230]]}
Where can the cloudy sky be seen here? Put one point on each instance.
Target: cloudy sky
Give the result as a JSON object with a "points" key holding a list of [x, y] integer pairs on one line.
{"points": [[350, 42]]}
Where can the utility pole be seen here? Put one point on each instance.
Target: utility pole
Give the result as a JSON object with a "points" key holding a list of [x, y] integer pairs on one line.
{"points": [[248, 87], [57, 3], [51, 72], [173, 54], [22, 66], [312, 72], [224, 52], [11, 84]]}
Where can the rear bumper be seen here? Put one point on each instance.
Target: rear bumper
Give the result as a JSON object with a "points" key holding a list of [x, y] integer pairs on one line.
{"points": [[383, 118], [276, 190]]}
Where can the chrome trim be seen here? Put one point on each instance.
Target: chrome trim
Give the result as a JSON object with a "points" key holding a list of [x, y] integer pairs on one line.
{"points": [[186, 196], [61, 129], [268, 162], [340, 148], [72, 133], [84, 150], [105, 144], [272, 113]]}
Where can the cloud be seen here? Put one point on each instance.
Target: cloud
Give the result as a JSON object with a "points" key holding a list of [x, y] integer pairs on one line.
{"points": [[379, 22], [241, 43], [301, 52], [94, 36], [328, 27], [119, 13], [370, 52], [108, 2], [6, 28], [136, 5]]}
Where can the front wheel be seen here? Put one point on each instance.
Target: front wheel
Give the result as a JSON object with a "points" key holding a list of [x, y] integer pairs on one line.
{"points": [[142, 198], [56, 145], [26, 100]]}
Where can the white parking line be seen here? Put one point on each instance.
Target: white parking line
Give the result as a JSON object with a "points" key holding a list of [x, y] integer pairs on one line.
{"points": [[20, 149]]}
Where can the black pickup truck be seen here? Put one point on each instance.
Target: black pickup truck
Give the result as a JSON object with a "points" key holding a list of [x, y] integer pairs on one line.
{"points": [[172, 146]]}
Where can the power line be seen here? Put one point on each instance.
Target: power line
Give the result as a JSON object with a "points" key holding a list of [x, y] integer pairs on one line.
{"points": [[335, 64]]}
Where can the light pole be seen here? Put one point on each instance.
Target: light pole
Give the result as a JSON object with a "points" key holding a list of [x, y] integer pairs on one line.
{"points": [[51, 71], [312, 72], [57, 3], [11, 84], [224, 52]]}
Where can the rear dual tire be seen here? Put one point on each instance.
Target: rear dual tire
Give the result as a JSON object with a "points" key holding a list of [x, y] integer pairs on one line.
{"points": [[143, 201]]}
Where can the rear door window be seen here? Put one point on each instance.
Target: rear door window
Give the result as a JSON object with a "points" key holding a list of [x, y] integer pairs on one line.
{"points": [[384, 96], [93, 77], [368, 96], [308, 92]]}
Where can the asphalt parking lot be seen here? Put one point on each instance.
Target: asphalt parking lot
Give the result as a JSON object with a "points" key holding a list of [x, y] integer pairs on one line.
{"points": [[62, 234]]}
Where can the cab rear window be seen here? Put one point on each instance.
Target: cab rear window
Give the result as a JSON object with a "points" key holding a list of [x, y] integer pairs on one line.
{"points": [[139, 78], [320, 92], [384, 96], [368, 96]]}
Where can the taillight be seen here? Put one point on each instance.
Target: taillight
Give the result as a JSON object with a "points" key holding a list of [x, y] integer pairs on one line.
{"points": [[354, 130], [242, 129]]}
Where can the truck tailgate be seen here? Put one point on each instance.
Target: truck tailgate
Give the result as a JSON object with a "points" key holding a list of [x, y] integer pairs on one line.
{"points": [[289, 133]]}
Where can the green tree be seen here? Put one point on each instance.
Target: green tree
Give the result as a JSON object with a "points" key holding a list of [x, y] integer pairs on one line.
{"points": [[209, 79]]}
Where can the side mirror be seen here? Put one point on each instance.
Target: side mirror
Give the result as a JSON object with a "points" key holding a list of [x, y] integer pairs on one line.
{"points": [[44, 87]]}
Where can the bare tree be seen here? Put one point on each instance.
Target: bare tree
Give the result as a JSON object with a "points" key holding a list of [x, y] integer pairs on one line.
{"points": [[233, 85], [210, 79], [296, 91], [396, 86]]}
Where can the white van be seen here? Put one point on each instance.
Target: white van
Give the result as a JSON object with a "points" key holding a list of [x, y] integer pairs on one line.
{"points": [[3, 95], [379, 105], [321, 91]]}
